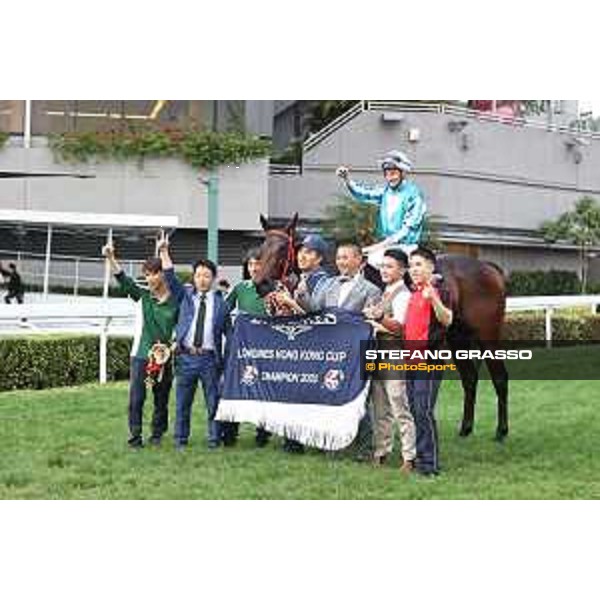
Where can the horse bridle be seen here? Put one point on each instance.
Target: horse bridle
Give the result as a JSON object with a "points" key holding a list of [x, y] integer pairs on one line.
{"points": [[291, 253]]}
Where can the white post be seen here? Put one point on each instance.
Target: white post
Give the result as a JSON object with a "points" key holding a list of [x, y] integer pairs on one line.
{"points": [[47, 265], [549, 312], [109, 240], [27, 125], [103, 351], [76, 286]]}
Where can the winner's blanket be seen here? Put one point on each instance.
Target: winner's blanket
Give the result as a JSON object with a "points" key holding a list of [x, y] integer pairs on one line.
{"points": [[298, 377]]}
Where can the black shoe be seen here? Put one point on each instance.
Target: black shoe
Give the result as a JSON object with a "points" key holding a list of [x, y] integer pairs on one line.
{"points": [[293, 447], [155, 440], [135, 442], [262, 437], [180, 446], [229, 442], [213, 445]]}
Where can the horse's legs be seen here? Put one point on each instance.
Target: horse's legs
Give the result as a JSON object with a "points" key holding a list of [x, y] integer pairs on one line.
{"points": [[469, 377], [499, 376], [459, 338]]}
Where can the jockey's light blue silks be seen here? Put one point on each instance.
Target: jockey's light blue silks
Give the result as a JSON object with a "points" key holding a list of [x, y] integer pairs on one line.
{"points": [[401, 210]]}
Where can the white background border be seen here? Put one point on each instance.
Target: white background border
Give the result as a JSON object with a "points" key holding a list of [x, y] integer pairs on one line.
{"points": [[318, 550]]}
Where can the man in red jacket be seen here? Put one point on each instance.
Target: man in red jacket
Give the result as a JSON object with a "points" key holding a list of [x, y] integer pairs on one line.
{"points": [[427, 317]]}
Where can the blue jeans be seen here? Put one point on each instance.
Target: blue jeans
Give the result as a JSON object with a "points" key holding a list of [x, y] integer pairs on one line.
{"points": [[190, 369], [422, 390], [137, 397]]}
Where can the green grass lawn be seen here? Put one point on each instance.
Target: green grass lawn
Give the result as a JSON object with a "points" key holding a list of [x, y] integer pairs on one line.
{"points": [[71, 443]]}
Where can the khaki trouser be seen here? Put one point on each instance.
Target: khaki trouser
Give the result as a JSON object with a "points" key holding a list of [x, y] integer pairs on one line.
{"points": [[390, 405]]}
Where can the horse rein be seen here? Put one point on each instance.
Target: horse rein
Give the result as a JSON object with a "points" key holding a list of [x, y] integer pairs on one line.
{"points": [[291, 254]]}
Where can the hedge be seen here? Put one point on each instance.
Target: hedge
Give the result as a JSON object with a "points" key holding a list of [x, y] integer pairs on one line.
{"points": [[543, 283], [57, 361], [578, 328], [197, 147]]}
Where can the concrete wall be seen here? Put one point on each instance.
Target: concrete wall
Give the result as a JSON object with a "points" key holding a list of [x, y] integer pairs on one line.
{"points": [[259, 117], [508, 176], [159, 186]]}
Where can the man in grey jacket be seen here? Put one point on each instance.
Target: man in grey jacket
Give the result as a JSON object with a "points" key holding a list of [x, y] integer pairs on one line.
{"points": [[350, 291]]}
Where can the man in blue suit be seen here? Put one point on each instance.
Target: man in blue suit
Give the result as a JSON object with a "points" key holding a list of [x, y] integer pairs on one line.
{"points": [[199, 333]]}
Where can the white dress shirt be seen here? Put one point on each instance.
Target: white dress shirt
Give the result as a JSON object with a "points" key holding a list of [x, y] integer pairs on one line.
{"points": [[400, 301], [208, 342]]}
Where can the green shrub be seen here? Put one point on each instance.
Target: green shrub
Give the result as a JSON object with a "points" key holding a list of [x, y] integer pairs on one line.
{"points": [[543, 283], [56, 361], [199, 148], [577, 328]]}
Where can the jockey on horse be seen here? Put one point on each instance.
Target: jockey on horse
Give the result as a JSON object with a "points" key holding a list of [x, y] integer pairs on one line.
{"points": [[401, 206]]}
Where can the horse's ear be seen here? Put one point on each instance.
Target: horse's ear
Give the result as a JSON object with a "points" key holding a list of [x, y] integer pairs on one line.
{"points": [[264, 222], [291, 226]]}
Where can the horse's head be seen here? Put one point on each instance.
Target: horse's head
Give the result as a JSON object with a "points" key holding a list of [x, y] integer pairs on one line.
{"points": [[278, 253]]}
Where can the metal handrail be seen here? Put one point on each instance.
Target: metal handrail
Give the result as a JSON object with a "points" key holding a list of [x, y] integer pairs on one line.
{"points": [[275, 169], [313, 140], [24, 255], [440, 108], [452, 109]]}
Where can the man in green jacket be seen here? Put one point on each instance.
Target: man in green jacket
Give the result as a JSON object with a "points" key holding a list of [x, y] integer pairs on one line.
{"points": [[155, 321], [244, 298]]}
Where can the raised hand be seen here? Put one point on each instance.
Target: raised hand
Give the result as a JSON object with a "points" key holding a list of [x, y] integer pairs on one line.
{"points": [[342, 172], [108, 251], [162, 243]]}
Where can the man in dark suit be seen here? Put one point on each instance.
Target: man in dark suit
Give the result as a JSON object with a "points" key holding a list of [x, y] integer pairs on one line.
{"points": [[199, 333]]}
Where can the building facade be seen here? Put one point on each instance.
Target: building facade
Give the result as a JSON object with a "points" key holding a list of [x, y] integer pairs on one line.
{"points": [[33, 178], [492, 179]]}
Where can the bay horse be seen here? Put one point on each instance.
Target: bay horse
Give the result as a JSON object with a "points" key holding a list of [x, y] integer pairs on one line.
{"points": [[478, 297]]}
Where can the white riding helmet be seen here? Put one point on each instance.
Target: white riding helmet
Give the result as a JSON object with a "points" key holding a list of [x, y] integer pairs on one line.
{"points": [[395, 159]]}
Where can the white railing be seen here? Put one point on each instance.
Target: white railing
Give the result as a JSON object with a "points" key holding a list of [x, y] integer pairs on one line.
{"points": [[440, 108], [275, 169], [114, 316], [67, 271], [336, 124], [456, 110], [549, 304]]}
